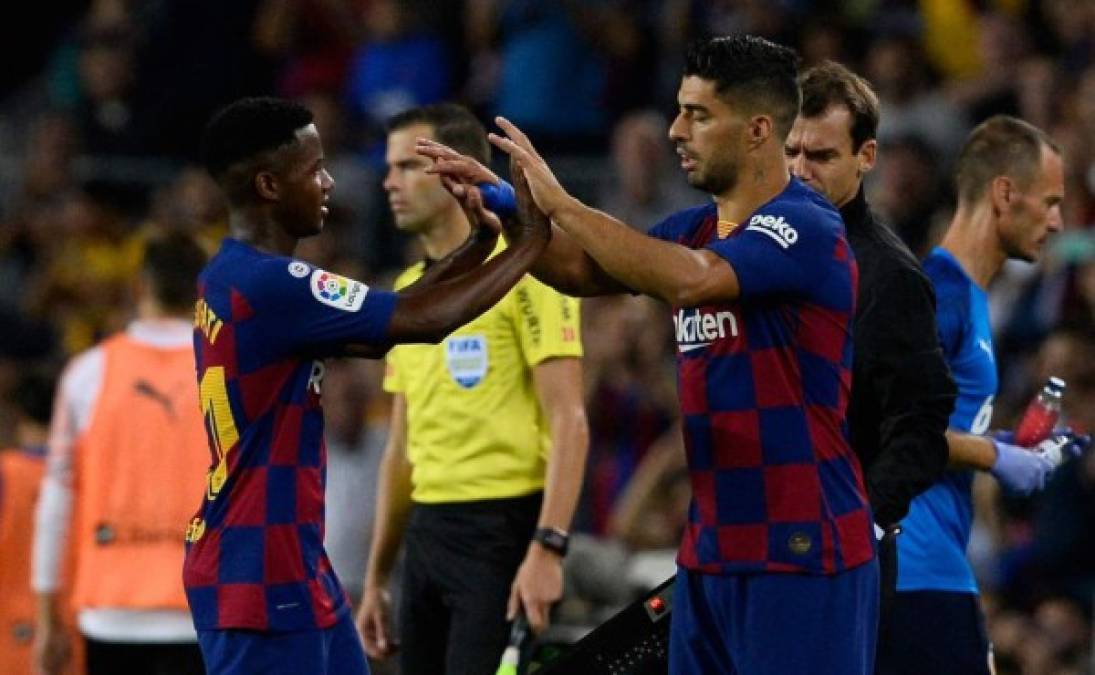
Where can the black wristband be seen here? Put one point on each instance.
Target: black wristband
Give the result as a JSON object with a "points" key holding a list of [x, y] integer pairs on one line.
{"points": [[552, 539]]}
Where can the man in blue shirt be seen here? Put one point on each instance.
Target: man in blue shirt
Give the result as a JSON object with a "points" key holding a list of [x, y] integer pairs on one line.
{"points": [[1010, 182]]}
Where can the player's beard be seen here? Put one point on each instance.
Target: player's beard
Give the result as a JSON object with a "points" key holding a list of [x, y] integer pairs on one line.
{"points": [[721, 177]]}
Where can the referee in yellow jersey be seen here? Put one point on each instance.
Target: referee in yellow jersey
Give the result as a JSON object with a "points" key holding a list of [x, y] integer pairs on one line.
{"points": [[487, 443]]}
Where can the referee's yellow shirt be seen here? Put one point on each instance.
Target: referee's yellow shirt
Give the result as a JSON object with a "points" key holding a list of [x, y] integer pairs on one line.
{"points": [[475, 429]]}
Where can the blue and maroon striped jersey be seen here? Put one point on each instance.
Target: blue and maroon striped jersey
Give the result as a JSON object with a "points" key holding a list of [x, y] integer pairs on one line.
{"points": [[262, 326], [764, 384]]}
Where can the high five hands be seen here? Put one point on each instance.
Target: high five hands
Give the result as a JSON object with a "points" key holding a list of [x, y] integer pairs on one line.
{"points": [[528, 170], [485, 224]]}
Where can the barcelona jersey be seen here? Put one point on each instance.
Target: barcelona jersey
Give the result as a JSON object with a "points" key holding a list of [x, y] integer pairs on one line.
{"points": [[263, 325], [932, 546], [764, 382]]}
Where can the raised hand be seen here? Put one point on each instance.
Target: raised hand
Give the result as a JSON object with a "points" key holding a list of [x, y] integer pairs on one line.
{"points": [[450, 163], [529, 214], [546, 190]]}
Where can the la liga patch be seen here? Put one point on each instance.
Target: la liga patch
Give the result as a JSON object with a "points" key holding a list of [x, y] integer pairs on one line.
{"points": [[337, 291]]}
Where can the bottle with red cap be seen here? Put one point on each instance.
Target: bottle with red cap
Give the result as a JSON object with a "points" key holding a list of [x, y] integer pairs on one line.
{"points": [[1041, 415]]}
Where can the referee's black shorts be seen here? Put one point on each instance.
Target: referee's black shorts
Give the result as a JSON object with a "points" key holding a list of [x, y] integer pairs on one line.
{"points": [[935, 632], [460, 562]]}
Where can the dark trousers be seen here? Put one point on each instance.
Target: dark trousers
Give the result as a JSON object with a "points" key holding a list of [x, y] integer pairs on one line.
{"points": [[461, 559], [123, 658], [935, 632]]}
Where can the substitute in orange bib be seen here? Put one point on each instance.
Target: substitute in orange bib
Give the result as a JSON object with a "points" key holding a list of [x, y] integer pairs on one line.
{"points": [[127, 451], [21, 469]]}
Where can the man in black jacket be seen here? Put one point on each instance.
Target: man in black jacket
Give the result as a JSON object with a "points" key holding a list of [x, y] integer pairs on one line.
{"points": [[902, 391]]}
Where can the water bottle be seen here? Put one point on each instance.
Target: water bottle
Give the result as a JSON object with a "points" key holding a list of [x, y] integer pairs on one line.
{"points": [[1041, 415]]}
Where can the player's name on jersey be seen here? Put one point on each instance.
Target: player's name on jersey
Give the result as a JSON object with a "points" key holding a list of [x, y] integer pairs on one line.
{"points": [[206, 320]]}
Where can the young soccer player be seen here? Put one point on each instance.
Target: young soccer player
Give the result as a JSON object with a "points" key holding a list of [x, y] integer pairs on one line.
{"points": [[261, 589]]}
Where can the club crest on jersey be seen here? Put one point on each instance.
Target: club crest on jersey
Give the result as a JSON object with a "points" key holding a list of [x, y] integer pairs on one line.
{"points": [[697, 329], [338, 291], [776, 228], [466, 357]]}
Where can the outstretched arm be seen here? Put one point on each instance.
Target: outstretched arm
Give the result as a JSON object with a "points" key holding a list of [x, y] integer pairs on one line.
{"points": [[563, 265], [679, 275], [427, 313], [460, 286]]}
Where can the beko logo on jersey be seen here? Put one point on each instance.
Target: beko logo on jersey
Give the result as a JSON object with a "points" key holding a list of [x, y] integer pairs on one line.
{"points": [[777, 228], [696, 329]]}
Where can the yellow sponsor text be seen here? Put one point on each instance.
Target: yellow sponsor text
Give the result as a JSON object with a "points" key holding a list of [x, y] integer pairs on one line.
{"points": [[206, 320]]}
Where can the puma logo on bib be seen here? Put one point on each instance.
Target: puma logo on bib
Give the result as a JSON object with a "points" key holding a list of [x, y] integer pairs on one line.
{"points": [[466, 356]]}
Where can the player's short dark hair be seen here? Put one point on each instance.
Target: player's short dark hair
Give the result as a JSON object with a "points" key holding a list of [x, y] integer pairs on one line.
{"points": [[831, 84], [248, 128], [172, 262], [33, 392], [1000, 146], [760, 74], [454, 125]]}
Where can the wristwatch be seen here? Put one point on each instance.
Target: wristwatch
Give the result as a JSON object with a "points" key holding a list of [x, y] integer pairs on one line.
{"points": [[552, 539]]}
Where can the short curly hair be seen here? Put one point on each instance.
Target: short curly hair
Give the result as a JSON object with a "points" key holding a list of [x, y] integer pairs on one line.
{"points": [[756, 71], [248, 128]]}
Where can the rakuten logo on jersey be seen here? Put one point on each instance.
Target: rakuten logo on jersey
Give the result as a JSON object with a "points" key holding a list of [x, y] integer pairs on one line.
{"points": [[777, 228], [696, 329]]}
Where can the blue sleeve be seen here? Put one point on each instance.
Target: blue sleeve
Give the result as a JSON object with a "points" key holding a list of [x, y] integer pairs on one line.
{"points": [[663, 230], [305, 308], [951, 315], [781, 252], [680, 224]]}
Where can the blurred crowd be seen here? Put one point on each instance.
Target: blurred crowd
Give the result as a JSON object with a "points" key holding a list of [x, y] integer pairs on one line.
{"points": [[99, 129]]}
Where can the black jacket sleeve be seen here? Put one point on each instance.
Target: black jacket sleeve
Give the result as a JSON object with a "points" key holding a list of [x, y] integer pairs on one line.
{"points": [[904, 384]]}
